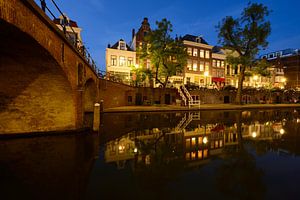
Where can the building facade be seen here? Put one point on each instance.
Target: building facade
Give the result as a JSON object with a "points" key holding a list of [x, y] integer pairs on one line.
{"points": [[120, 59], [198, 69], [286, 65]]}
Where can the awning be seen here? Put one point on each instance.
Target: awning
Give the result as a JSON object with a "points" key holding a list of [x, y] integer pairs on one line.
{"points": [[217, 79]]}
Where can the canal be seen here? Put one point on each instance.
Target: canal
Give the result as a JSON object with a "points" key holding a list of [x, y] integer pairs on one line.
{"points": [[251, 154]]}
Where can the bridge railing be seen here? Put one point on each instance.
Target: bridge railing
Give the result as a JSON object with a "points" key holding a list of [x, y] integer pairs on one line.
{"points": [[70, 35]]}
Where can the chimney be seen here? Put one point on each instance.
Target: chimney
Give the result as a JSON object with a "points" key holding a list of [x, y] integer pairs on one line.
{"points": [[133, 33], [108, 46]]}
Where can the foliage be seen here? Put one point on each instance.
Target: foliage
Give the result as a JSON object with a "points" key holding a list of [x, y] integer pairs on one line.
{"points": [[167, 55], [245, 36], [140, 75]]}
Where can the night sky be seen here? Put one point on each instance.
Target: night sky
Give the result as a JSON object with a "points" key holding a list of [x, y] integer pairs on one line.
{"points": [[107, 21]]}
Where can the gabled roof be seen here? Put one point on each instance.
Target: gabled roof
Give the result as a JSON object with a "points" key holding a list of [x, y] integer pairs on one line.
{"points": [[116, 45], [217, 49], [194, 38]]}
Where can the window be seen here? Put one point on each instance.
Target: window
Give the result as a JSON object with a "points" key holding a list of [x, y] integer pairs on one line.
{"points": [[195, 52], [206, 66], [189, 51], [122, 45], [113, 61], [228, 69], [122, 61], [222, 64], [207, 54], [195, 65], [218, 63], [189, 65], [201, 66], [201, 53], [214, 63], [130, 61]]}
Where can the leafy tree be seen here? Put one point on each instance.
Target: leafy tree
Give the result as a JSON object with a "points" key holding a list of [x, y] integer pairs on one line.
{"points": [[245, 36], [139, 75], [167, 55]]}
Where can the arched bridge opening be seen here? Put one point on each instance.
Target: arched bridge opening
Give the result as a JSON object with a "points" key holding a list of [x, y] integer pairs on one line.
{"points": [[35, 93]]}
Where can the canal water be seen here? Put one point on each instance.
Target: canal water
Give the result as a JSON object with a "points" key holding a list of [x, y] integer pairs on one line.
{"points": [[176, 155]]}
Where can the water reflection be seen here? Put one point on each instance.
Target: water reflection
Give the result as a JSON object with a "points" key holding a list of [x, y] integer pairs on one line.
{"points": [[229, 141], [213, 155]]}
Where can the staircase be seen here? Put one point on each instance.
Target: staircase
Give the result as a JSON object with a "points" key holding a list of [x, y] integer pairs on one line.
{"points": [[186, 120], [186, 97]]}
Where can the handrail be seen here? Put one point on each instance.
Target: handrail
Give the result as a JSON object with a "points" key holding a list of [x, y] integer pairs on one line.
{"points": [[80, 48]]}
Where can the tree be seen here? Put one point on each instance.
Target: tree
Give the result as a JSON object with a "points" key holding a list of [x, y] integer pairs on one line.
{"points": [[245, 36], [167, 55], [139, 75]]}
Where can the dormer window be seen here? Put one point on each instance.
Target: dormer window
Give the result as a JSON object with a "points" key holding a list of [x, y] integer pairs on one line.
{"points": [[198, 40], [122, 45]]}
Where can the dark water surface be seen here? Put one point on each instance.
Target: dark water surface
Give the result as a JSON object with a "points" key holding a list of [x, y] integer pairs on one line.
{"points": [[196, 155]]}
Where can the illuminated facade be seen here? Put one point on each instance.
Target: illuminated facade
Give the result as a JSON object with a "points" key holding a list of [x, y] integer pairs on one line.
{"points": [[120, 59], [198, 69]]}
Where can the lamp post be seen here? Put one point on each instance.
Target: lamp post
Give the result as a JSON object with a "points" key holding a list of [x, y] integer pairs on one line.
{"points": [[206, 74]]}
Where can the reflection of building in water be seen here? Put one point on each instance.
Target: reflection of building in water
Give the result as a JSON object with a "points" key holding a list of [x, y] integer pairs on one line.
{"points": [[120, 151], [193, 144], [263, 131]]}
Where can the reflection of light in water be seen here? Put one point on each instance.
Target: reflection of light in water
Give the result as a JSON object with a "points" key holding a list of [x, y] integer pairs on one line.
{"points": [[205, 140], [298, 120], [267, 123], [281, 131], [254, 134]]}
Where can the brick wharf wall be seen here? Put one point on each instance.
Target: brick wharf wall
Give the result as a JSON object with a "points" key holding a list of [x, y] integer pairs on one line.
{"points": [[117, 94]]}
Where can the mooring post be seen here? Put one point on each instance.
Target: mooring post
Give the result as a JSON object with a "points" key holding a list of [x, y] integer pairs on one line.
{"points": [[96, 121]]}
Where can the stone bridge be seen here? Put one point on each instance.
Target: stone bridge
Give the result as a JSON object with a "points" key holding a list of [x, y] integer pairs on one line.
{"points": [[45, 83]]}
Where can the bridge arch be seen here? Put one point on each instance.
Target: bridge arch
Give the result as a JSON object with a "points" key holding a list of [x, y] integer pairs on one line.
{"points": [[35, 93]]}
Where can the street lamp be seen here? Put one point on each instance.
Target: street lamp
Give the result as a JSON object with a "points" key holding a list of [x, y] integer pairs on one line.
{"points": [[206, 74]]}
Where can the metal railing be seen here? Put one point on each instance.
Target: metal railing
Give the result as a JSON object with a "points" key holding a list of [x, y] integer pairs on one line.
{"points": [[64, 23]]}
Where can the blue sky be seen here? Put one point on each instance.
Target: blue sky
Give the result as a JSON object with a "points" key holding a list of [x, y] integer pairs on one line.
{"points": [[107, 21]]}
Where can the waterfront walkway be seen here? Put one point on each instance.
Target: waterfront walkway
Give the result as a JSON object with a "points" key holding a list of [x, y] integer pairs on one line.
{"points": [[162, 108]]}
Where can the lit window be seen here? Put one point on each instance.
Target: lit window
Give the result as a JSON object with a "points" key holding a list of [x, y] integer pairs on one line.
{"points": [[206, 66], [201, 53], [189, 65], [195, 65], [214, 63], [113, 61], [130, 61], [201, 66], [222, 64], [187, 156], [207, 54], [221, 143], [122, 45], [195, 52], [205, 153], [122, 61], [193, 141], [189, 51], [193, 155], [218, 63], [199, 154], [199, 140], [187, 143]]}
